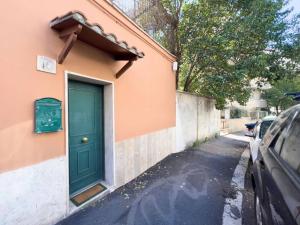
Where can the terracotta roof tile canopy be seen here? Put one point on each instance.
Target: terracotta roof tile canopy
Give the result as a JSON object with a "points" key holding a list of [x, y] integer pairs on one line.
{"points": [[74, 26]]}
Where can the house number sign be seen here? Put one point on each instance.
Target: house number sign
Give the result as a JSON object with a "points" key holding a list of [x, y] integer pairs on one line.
{"points": [[47, 115]]}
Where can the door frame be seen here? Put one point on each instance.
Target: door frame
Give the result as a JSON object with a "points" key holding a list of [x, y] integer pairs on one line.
{"points": [[109, 127]]}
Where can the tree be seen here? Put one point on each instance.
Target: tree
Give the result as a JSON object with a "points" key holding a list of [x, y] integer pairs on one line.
{"points": [[222, 45], [276, 96], [292, 48], [164, 25], [226, 44]]}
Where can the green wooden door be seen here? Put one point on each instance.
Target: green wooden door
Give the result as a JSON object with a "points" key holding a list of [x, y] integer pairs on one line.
{"points": [[86, 144]]}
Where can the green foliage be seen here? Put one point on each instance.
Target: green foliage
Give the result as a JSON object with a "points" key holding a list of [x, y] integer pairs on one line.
{"points": [[237, 113], [221, 45], [164, 25], [225, 44], [197, 143], [164, 22], [292, 48], [276, 96]]}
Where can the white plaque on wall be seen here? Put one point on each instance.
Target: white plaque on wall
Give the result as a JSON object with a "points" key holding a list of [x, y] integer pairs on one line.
{"points": [[175, 66], [46, 64]]}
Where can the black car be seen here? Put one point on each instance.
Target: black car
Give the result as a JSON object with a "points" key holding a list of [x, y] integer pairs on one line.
{"points": [[276, 172]]}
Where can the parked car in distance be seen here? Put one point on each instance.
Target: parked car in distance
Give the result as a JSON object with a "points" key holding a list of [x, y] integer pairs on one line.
{"points": [[276, 172], [258, 133], [250, 126]]}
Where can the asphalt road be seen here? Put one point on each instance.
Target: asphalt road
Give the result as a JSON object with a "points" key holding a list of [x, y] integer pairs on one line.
{"points": [[187, 188]]}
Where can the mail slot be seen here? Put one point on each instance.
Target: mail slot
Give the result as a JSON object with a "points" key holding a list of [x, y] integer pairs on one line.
{"points": [[47, 115]]}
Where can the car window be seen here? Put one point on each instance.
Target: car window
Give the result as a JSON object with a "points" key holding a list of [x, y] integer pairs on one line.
{"points": [[263, 128], [290, 151], [281, 121], [278, 142]]}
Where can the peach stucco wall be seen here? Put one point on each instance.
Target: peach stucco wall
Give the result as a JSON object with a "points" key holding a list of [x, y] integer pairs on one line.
{"points": [[144, 96]]}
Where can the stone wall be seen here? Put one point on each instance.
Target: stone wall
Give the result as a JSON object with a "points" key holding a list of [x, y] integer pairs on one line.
{"points": [[196, 119]]}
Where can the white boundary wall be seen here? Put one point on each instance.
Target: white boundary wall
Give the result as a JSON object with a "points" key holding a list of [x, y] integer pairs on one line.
{"points": [[196, 119]]}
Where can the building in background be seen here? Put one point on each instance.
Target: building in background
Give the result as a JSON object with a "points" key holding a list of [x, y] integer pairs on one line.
{"points": [[235, 116], [256, 107]]}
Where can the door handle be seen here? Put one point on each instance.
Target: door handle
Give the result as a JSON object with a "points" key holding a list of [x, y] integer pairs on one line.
{"points": [[85, 140]]}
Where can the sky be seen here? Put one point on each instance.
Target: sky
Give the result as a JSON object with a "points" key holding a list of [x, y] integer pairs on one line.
{"points": [[296, 5]]}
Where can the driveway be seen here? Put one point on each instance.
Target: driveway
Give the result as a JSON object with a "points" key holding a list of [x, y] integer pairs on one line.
{"points": [[187, 188]]}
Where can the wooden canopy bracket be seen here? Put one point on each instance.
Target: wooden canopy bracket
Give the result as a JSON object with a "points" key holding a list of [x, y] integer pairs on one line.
{"points": [[71, 34], [125, 67]]}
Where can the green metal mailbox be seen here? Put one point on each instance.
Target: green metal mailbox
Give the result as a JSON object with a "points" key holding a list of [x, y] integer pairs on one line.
{"points": [[47, 115]]}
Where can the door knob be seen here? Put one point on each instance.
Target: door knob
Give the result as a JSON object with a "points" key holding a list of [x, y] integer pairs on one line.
{"points": [[85, 140]]}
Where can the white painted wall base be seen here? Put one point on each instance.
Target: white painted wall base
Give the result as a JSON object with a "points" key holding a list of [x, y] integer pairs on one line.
{"points": [[136, 155], [38, 194], [35, 195]]}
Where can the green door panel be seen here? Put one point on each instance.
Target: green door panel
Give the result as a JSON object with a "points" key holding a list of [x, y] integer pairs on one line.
{"points": [[86, 143]]}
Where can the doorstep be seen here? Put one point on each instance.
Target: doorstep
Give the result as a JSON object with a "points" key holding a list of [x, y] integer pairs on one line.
{"points": [[73, 208], [88, 194]]}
